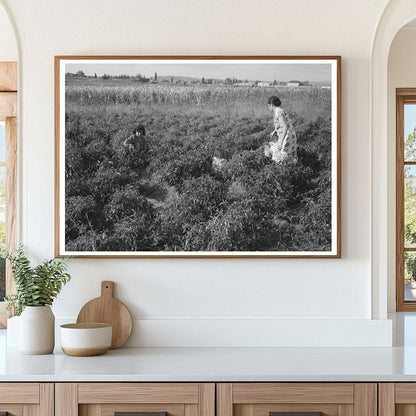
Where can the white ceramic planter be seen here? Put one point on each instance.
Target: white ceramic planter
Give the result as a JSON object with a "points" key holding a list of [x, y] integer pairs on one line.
{"points": [[37, 330], [12, 334]]}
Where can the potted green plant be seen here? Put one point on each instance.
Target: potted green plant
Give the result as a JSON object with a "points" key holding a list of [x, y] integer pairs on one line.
{"points": [[36, 289]]}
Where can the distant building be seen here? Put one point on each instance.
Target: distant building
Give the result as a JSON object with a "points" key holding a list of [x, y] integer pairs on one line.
{"points": [[243, 84], [296, 83], [264, 84]]}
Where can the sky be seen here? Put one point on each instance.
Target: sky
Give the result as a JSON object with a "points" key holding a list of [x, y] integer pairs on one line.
{"points": [[251, 70], [2, 141], [409, 119]]}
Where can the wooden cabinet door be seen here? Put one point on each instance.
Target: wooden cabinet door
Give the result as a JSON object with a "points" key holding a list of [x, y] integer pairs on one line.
{"points": [[26, 399], [297, 399], [143, 399], [397, 399]]}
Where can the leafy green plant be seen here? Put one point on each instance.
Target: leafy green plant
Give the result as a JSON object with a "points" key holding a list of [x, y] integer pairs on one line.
{"points": [[38, 285]]}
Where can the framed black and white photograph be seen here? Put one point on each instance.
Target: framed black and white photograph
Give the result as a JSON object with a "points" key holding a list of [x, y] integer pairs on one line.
{"points": [[198, 156]]}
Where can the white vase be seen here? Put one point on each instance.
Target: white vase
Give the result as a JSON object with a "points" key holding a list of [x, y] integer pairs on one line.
{"points": [[12, 334], [37, 330]]}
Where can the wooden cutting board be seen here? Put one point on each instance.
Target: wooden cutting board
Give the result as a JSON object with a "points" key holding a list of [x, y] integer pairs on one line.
{"points": [[108, 310]]}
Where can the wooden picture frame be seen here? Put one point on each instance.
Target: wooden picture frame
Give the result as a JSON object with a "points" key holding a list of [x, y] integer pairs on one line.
{"points": [[192, 156]]}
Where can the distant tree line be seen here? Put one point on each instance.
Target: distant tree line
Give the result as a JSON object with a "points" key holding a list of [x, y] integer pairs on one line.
{"points": [[204, 81]]}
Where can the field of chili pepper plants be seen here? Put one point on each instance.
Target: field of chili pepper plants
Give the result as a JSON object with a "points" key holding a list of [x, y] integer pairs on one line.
{"points": [[163, 193]]}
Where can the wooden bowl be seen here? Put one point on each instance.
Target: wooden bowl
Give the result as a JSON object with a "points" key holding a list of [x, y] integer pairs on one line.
{"points": [[84, 340]]}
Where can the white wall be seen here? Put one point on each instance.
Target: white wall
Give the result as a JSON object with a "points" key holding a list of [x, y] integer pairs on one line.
{"points": [[401, 74], [202, 299], [8, 47]]}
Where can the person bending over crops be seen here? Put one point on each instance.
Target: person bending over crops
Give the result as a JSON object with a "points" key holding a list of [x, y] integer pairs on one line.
{"points": [[135, 138], [282, 144], [134, 152]]}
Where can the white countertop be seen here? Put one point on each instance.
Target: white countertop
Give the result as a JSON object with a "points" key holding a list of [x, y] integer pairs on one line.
{"points": [[221, 364], [215, 364]]}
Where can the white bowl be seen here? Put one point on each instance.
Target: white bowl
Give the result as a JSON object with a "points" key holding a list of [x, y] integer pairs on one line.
{"points": [[83, 340]]}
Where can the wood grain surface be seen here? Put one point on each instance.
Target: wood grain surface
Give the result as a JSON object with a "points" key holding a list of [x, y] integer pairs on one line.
{"points": [[109, 310], [107, 393], [22, 393], [84, 352], [66, 399], [252, 393], [225, 399], [8, 76], [386, 399], [365, 399], [8, 105]]}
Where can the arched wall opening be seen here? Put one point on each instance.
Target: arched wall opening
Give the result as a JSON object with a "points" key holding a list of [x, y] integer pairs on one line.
{"points": [[396, 15], [9, 54], [401, 73]]}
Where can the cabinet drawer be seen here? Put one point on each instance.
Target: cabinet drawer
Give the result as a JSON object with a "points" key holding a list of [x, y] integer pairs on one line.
{"points": [[21, 399], [293, 399], [397, 399], [138, 393], [148, 399], [131, 409], [19, 393]]}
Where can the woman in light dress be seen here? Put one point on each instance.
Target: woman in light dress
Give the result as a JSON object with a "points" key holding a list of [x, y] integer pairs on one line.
{"points": [[282, 144]]}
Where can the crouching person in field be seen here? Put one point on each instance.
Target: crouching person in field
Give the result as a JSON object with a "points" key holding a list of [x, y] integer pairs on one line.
{"points": [[136, 138], [282, 145], [131, 152]]}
